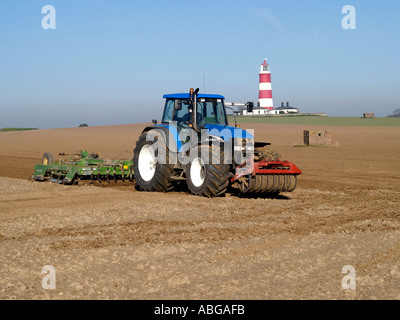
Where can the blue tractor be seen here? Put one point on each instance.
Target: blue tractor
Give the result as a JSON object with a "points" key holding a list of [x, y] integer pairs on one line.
{"points": [[195, 144]]}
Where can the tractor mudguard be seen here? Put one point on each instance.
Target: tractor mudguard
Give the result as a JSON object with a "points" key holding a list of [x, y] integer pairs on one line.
{"points": [[170, 135]]}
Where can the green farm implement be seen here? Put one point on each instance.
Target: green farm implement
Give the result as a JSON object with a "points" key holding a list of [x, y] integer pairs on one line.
{"points": [[75, 167]]}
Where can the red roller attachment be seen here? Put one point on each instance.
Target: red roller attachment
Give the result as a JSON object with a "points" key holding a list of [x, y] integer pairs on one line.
{"points": [[266, 176]]}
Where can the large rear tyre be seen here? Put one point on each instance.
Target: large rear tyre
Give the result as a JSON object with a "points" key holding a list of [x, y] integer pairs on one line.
{"points": [[151, 165], [207, 177], [48, 158]]}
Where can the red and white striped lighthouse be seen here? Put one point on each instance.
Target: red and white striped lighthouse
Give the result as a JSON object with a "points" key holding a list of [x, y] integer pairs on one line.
{"points": [[265, 89]]}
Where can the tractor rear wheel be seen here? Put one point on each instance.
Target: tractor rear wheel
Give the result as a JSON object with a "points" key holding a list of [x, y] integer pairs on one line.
{"points": [[151, 174], [207, 177], [266, 153], [48, 158]]}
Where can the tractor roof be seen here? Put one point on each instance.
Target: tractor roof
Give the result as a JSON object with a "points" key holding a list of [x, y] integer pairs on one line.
{"points": [[186, 96]]}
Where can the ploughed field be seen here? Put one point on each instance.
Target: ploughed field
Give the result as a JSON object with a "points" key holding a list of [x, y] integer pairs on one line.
{"points": [[113, 242]]}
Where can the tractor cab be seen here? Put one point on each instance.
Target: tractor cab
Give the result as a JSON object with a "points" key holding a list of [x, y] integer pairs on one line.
{"points": [[180, 108], [204, 115]]}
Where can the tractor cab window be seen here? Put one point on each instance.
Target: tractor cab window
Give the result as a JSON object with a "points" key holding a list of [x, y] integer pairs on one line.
{"points": [[168, 110], [208, 111], [181, 116], [211, 111]]}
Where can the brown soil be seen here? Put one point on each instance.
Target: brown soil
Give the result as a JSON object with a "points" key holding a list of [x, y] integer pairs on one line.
{"points": [[118, 243]]}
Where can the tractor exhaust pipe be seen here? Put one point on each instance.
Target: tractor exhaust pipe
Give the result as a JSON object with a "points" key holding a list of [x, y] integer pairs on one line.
{"points": [[193, 99]]}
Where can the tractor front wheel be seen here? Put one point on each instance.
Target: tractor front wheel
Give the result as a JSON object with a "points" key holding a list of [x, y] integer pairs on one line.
{"points": [[207, 177]]}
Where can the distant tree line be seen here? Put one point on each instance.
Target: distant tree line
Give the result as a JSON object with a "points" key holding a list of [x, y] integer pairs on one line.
{"points": [[396, 113], [83, 125], [16, 129]]}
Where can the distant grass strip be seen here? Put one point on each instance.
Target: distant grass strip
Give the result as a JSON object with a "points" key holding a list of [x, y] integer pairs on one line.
{"points": [[320, 121], [16, 129]]}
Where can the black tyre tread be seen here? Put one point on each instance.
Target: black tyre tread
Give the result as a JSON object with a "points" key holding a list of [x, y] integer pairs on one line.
{"points": [[218, 179], [161, 181]]}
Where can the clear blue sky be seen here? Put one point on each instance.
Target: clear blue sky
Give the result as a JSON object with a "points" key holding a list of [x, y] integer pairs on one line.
{"points": [[110, 61]]}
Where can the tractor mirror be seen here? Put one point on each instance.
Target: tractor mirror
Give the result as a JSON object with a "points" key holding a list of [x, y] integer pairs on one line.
{"points": [[250, 106], [178, 105]]}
